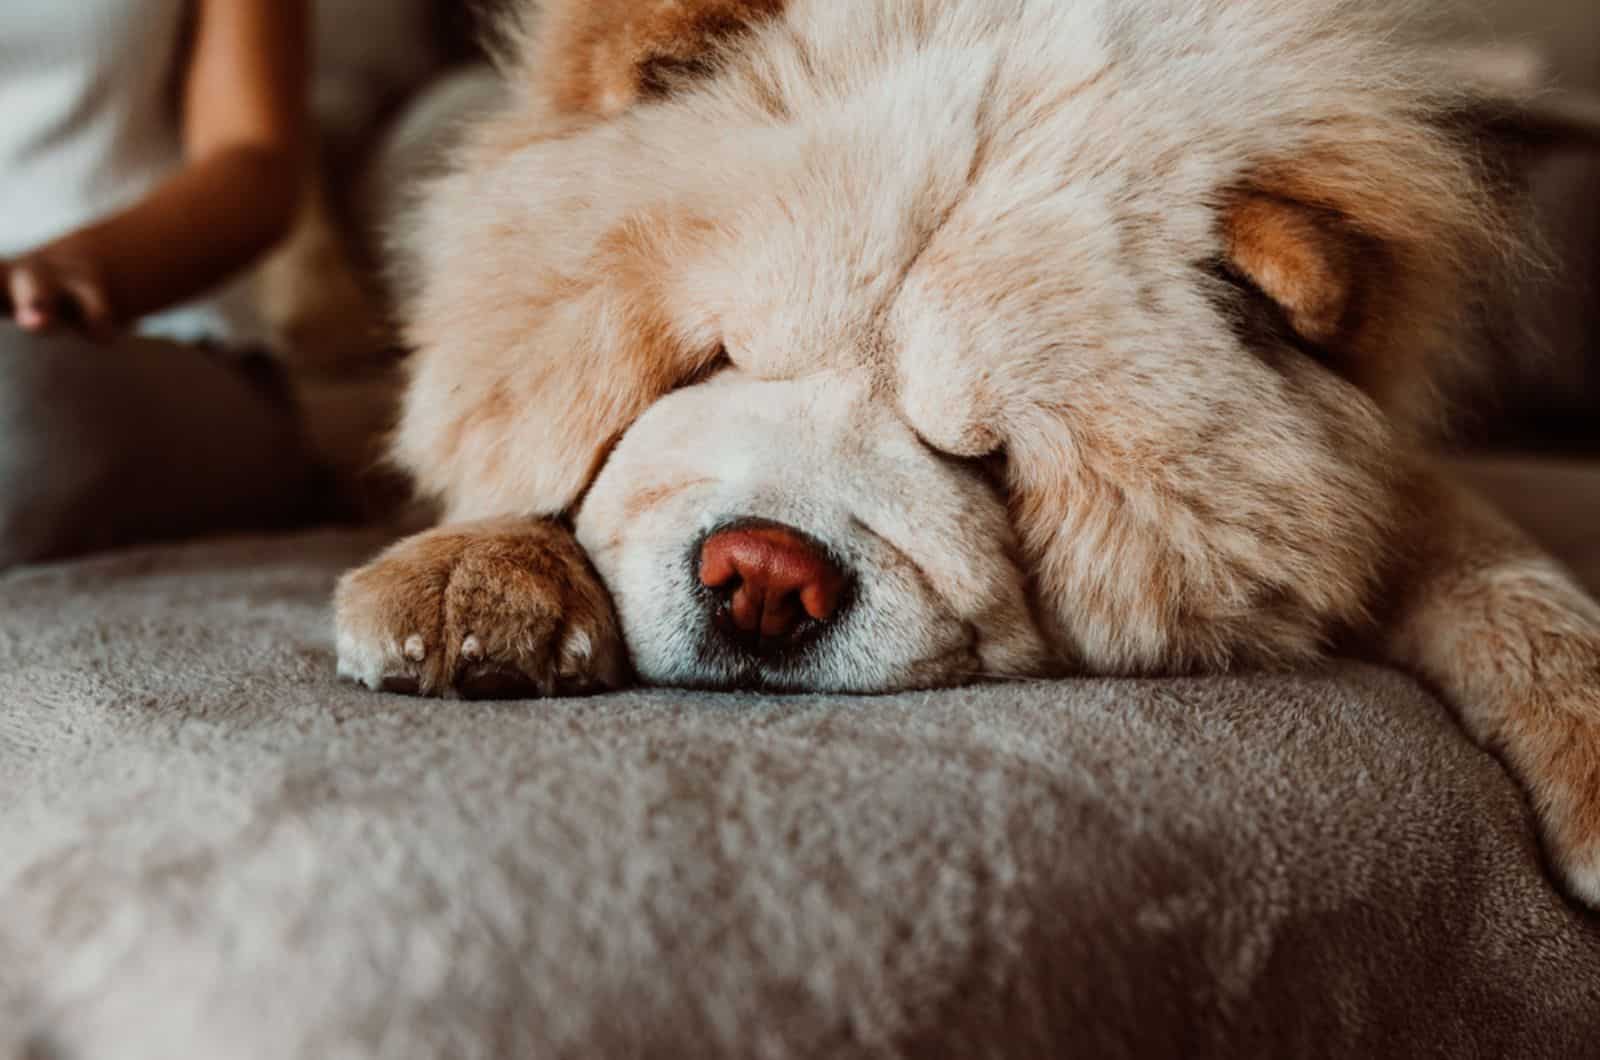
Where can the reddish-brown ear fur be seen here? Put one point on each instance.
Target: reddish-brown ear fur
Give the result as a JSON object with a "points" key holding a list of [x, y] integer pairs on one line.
{"points": [[1380, 251], [599, 56], [1302, 260]]}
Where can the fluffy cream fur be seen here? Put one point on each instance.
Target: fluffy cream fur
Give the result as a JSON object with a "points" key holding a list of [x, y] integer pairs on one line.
{"points": [[1196, 271], [940, 599]]}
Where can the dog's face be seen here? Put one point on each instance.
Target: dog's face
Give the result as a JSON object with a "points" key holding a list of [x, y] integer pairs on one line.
{"points": [[888, 344], [912, 549]]}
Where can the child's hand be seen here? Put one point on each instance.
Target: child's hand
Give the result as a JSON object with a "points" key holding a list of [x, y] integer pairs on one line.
{"points": [[47, 290]]}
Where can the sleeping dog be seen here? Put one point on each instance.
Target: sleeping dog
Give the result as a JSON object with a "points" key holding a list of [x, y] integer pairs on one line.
{"points": [[797, 344]]}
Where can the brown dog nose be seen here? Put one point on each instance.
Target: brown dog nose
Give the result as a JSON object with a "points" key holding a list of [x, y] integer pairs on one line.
{"points": [[777, 577]]}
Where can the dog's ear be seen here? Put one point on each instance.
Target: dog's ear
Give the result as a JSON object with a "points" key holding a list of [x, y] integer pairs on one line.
{"points": [[1302, 258], [1368, 258], [599, 57], [1383, 245]]}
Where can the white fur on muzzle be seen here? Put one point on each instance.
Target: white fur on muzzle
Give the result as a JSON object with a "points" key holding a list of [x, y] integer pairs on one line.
{"points": [[935, 597]]}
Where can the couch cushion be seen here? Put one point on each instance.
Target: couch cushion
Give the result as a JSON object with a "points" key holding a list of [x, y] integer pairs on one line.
{"points": [[210, 848]]}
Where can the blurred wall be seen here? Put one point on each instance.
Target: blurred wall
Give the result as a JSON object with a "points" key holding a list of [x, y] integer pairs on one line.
{"points": [[1566, 31], [1544, 390]]}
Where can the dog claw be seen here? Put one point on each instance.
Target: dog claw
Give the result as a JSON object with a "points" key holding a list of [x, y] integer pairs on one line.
{"points": [[497, 683], [513, 638], [401, 686], [576, 652]]}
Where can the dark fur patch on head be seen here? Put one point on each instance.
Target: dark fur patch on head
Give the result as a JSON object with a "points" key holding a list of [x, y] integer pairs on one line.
{"points": [[602, 56]]}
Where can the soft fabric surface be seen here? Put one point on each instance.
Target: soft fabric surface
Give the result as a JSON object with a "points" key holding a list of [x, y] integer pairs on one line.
{"points": [[209, 848]]}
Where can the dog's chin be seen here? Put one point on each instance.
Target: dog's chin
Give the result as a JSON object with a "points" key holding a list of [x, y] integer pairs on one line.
{"points": [[696, 655], [926, 593]]}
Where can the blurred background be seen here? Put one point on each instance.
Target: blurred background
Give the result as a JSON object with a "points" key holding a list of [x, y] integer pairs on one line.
{"points": [[1544, 394], [1566, 31]]}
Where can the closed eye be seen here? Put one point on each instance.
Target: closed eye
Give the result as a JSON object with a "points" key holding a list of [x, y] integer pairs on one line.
{"points": [[717, 362], [992, 467], [1258, 322], [995, 469], [660, 76]]}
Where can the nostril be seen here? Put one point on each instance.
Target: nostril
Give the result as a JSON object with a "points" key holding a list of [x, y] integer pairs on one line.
{"points": [[771, 578], [717, 568]]}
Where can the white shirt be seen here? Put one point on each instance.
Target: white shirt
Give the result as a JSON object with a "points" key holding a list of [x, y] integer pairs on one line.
{"points": [[89, 124]]}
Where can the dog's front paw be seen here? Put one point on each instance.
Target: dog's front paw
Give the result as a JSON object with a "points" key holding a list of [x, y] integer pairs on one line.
{"points": [[497, 610], [1565, 785]]}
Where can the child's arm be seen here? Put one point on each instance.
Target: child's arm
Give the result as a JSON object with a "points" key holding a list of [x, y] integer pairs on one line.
{"points": [[244, 113]]}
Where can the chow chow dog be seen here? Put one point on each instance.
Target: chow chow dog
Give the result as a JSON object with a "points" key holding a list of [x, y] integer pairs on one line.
{"points": [[807, 345]]}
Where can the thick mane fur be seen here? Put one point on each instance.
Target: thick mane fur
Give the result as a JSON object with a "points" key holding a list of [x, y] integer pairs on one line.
{"points": [[1319, 100]]}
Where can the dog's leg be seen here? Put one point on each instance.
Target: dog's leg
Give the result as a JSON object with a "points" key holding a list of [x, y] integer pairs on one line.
{"points": [[1510, 640], [491, 610]]}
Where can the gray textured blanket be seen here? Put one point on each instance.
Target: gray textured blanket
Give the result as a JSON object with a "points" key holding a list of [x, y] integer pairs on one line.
{"points": [[210, 849]]}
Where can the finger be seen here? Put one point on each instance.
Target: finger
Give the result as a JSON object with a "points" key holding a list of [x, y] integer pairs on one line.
{"points": [[92, 307], [33, 298]]}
